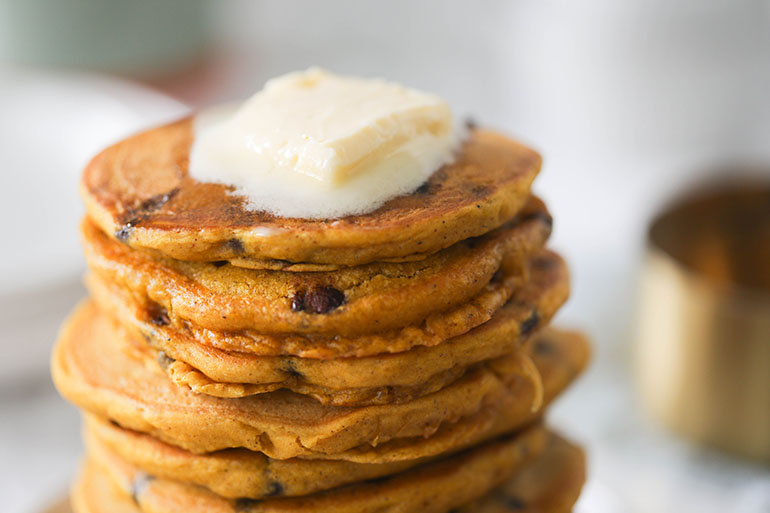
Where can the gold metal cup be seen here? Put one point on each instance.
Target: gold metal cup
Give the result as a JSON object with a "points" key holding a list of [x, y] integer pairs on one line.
{"points": [[703, 348]]}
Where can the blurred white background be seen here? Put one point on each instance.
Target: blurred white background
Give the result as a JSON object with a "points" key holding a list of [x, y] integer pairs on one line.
{"points": [[628, 101]]}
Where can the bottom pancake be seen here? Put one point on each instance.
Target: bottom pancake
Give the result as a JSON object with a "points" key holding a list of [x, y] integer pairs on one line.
{"points": [[232, 473], [433, 487], [549, 483]]}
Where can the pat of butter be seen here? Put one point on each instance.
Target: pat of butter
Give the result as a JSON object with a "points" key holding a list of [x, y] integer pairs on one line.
{"points": [[318, 145]]}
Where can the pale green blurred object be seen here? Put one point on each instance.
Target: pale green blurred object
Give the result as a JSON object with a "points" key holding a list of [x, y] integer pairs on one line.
{"points": [[142, 38]]}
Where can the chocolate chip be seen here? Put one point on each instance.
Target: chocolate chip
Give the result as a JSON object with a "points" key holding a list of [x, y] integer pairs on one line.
{"points": [[289, 368], [160, 319], [530, 323], [123, 234], [139, 485], [323, 300], [319, 301], [235, 246], [245, 504], [543, 217], [158, 315], [219, 263], [298, 302], [274, 488], [423, 189], [512, 502], [125, 231], [136, 215], [164, 360]]}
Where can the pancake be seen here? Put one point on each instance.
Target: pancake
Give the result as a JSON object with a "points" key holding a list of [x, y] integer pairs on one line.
{"points": [[506, 367], [93, 492], [233, 473], [559, 356], [550, 483], [183, 374], [139, 191], [376, 379], [547, 267], [99, 370], [102, 373], [349, 302], [434, 487], [238, 473]]}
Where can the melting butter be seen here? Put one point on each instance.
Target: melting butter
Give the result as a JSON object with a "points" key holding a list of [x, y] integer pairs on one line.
{"points": [[313, 144]]}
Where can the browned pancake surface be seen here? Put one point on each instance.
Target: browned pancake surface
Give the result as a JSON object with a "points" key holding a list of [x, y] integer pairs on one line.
{"points": [[97, 370], [382, 360], [549, 483], [347, 302], [376, 379], [432, 487], [233, 473], [140, 192]]}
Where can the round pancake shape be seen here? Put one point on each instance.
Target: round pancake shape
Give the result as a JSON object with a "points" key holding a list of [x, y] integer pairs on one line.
{"points": [[433, 487], [93, 492], [559, 357], [139, 192], [156, 324], [101, 373], [348, 302], [378, 379], [99, 370], [238, 473], [551, 483], [232, 473]]}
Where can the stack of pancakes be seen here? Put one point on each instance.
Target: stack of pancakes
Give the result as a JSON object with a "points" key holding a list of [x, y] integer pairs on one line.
{"points": [[233, 361]]}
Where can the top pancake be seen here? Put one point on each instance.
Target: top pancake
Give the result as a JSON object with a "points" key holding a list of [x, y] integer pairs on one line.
{"points": [[139, 191]]}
